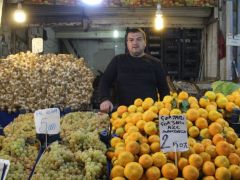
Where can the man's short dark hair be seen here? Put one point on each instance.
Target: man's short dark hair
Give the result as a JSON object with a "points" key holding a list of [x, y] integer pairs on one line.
{"points": [[135, 30]]}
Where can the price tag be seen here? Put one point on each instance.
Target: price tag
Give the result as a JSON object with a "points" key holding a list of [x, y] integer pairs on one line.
{"points": [[4, 167], [47, 121], [173, 133], [37, 45]]}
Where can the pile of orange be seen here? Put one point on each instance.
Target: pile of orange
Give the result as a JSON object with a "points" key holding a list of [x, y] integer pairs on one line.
{"points": [[214, 147]]}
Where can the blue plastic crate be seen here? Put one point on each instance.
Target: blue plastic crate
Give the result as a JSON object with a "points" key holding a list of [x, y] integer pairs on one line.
{"points": [[6, 117]]}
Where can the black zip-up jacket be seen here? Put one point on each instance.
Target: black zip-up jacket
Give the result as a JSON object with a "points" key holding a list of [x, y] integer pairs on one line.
{"points": [[135, 77]]}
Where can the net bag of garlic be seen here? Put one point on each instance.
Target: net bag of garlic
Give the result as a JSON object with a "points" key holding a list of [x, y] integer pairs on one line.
{"points": [[31, 81]]}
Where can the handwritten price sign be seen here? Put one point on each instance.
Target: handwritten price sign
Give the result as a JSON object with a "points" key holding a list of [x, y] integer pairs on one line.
{"points": [[173, 133], [47, 121]]}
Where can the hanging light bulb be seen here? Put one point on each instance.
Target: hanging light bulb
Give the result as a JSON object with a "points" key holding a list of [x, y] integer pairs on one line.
{"points": [[159, 23], [19, 15]]}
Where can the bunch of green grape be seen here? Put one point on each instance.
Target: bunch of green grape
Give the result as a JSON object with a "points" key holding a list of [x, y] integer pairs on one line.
{"points": [[22, 126], [21, 155], [89, 121]]}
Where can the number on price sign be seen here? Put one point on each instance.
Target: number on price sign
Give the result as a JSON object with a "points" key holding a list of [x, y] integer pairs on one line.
{"points": [[173, 133], [47, 121]]}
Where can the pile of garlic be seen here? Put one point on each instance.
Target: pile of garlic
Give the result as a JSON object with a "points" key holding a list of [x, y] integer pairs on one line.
{"points": [[31, 81]]}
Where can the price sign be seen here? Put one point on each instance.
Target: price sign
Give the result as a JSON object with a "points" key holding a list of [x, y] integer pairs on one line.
{"points": [[47, 121], [37, 45], [173, 133], [4, 167]]}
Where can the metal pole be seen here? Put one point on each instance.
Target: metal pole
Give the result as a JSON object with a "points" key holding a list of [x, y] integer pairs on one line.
{"points": [[229, 30]]}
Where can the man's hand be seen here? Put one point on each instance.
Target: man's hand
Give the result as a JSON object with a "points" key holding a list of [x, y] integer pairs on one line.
{"points": [[106, 106]]}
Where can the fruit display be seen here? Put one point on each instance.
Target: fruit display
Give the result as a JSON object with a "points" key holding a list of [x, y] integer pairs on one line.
{"points": [[31, 81], [20, 146], [214, 147], [79, 154]]}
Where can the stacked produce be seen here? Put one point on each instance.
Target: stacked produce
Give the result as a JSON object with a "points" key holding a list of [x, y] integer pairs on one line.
{"points": [[31, 81], [80, 154], [20, 147], [214, 147]]}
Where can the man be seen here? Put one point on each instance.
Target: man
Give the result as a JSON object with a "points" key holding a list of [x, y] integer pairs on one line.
{"points": [[136, 74]]}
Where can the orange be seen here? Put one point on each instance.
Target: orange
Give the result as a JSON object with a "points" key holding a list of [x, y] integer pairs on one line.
{"points": [[124, 158], [140, 124], [208, 168], [205, 156], [215, 128], [230, 98], [221, 161], [175, 112], [231, 137], [138, 102], [193, 131], [217, 138], [114, 141], [153, 138], [155, 147], [237, 143], [133, 171], [164, 112], [159, 105], [119, 178], [230, 106], [235, 171], [189, 124], [210, 95], [192, 114], [237, 151], [190, 172], [192, 99], [234, 158], [150, 128], [169, 170], [198, 148], [206, 142], [149, 115], [222, 122], [136, 117], [127, 126], [191, 141], [201, 123], [221, 102], [194, 106], [167, 99], [147, 103], [122, 109], [211, 150], [186, 154], [209, 178], [159, 159], [223, 173], [205, 134], [172, 155], [144, 148], [132, 129], [134, 136], [213, 115], [222, 148], [203, 102], [182, 163], [145, 160], [203, 113], [153, 173], [133, 147], [211, 107], [183, 95], [195, 160], [117, 171], [132, 109]]}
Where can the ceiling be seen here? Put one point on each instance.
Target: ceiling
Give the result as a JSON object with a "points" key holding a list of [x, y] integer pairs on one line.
{"points": [[70, 19]]}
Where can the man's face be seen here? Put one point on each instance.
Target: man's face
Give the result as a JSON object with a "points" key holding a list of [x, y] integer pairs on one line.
{"points": [[136, 44]]}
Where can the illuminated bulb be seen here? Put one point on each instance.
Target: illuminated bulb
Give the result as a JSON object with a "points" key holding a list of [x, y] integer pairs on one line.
{"points": [[115, 34], [92, 2], [159, 22], [19, 15]]}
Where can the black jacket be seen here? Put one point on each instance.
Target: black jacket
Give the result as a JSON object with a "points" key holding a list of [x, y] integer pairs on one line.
{"points": [[135, 77]]}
